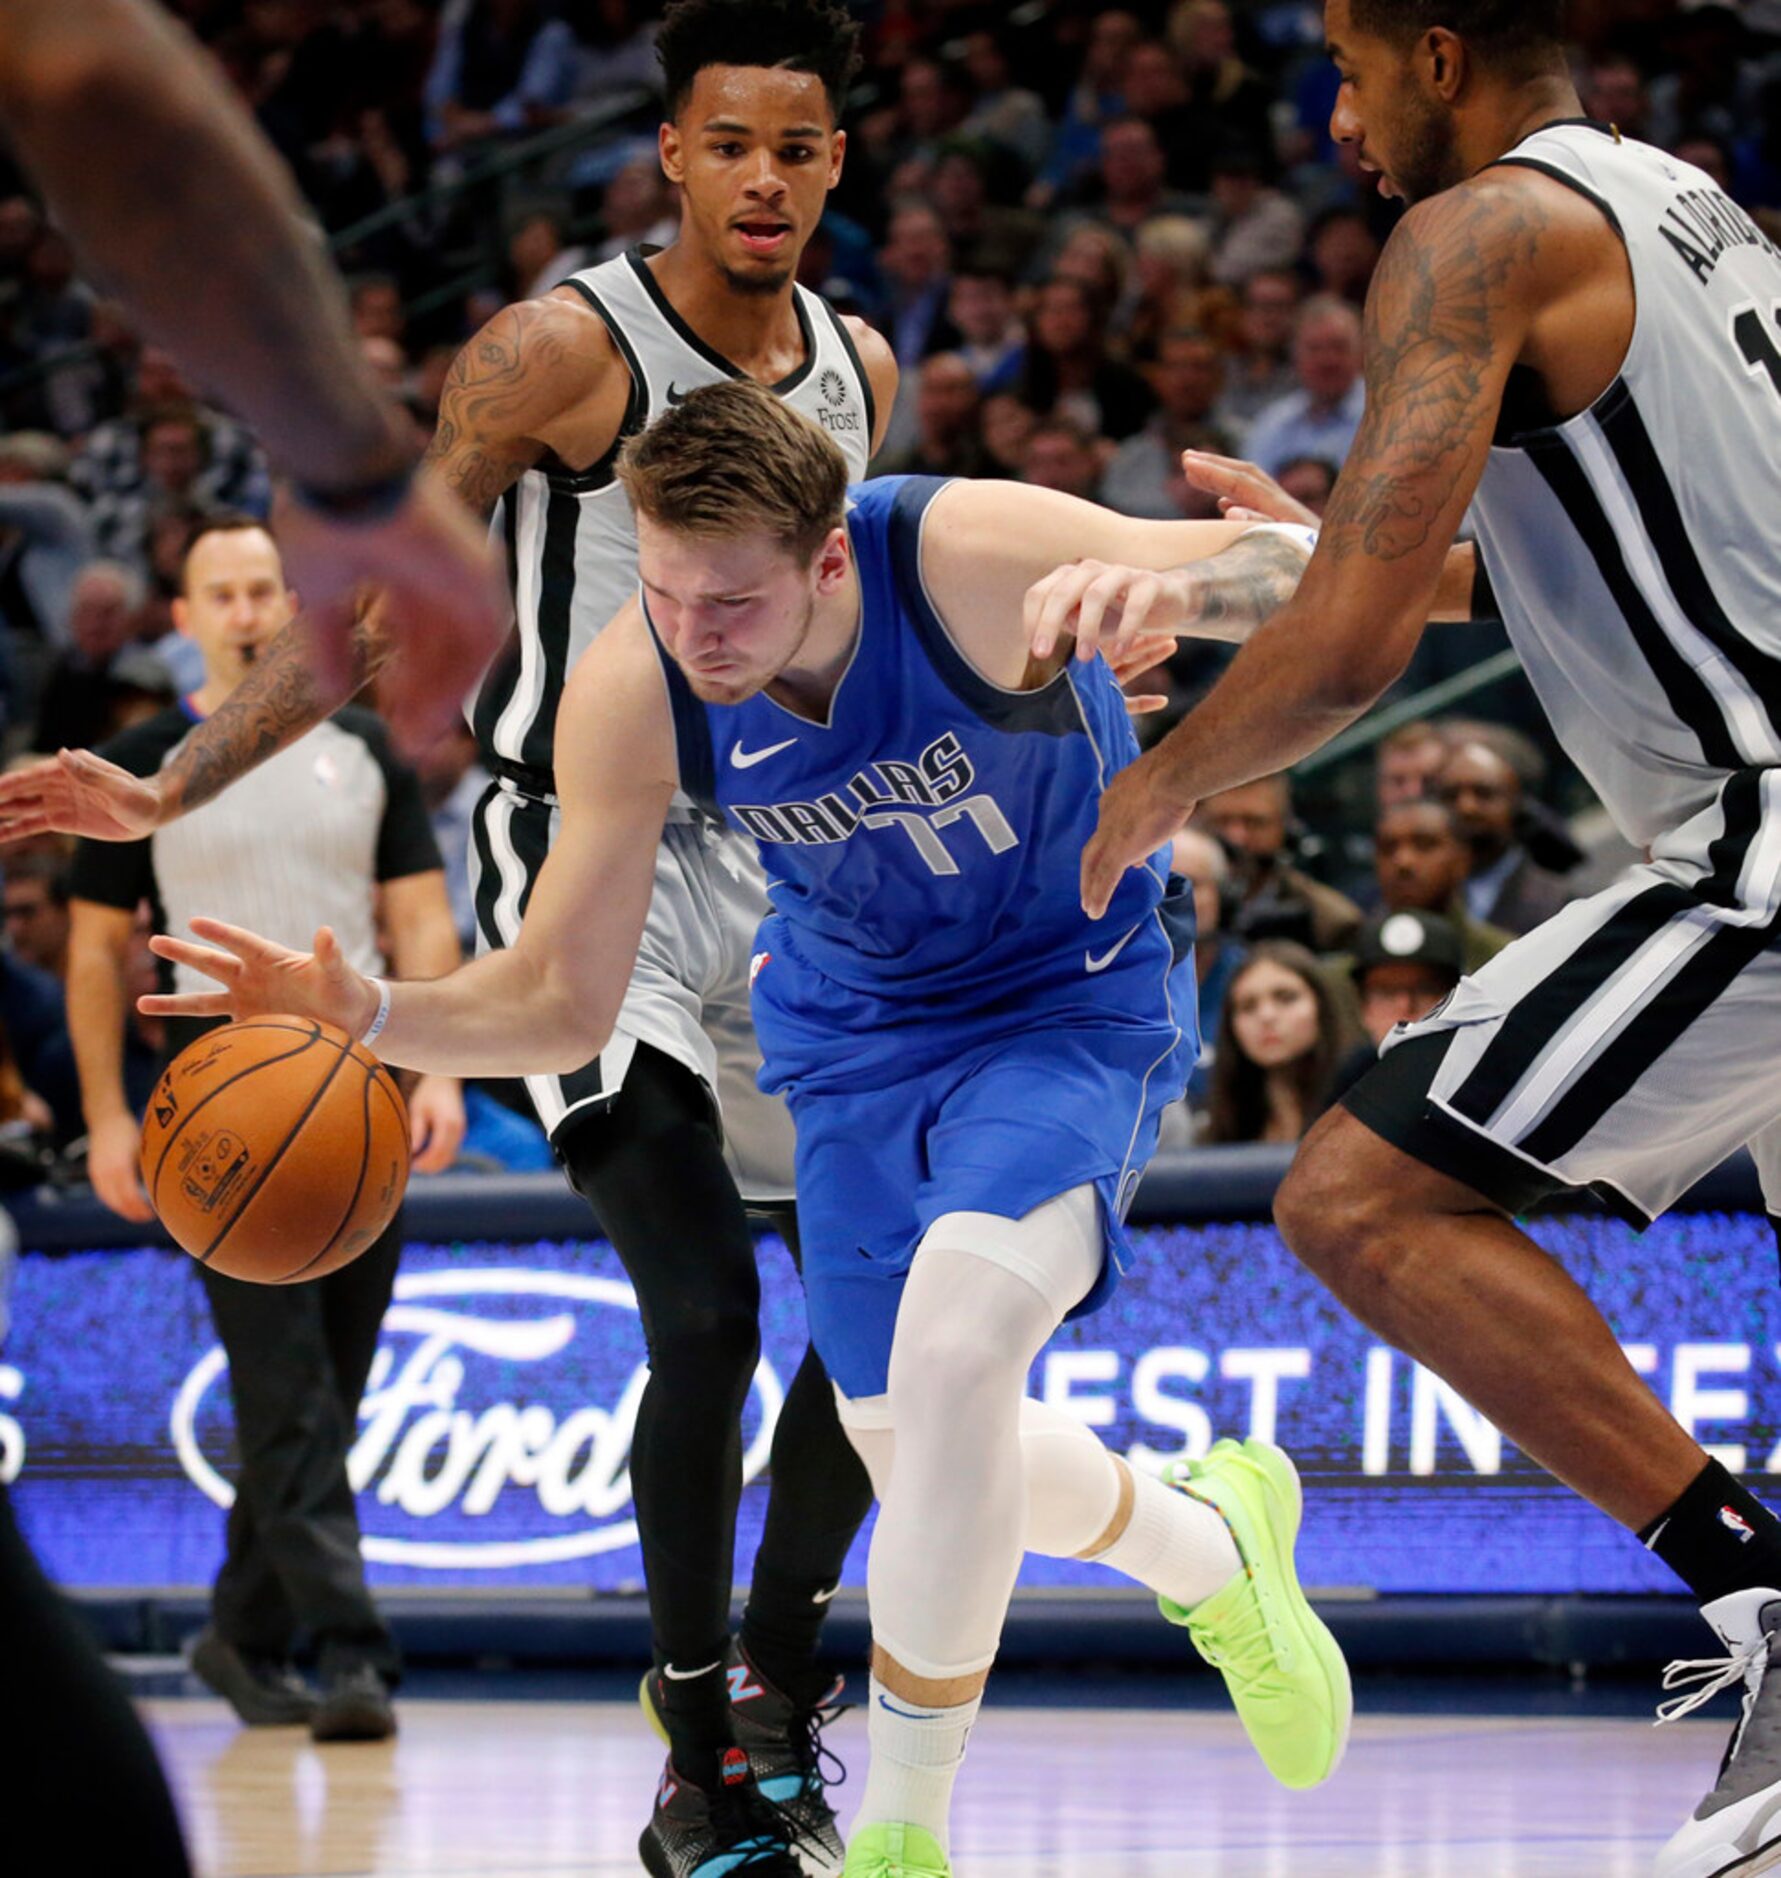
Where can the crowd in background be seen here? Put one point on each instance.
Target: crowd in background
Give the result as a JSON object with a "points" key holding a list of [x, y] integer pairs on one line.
{"points": [[1093, 235]]}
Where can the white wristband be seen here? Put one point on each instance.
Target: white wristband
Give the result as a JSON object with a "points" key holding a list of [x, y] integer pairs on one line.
{"points": [[1295, 532], [375, 1029]]}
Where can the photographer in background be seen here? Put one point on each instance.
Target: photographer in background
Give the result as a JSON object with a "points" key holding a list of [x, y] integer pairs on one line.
{"points": [[1273, 898]]}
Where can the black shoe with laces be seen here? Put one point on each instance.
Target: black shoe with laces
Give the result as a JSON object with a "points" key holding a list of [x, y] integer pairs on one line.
{"points": [[695, 1833], [787, 1758], [790, 1764]]}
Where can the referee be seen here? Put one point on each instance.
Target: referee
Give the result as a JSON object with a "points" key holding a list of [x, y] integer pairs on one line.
{"points": [[331, 831]]}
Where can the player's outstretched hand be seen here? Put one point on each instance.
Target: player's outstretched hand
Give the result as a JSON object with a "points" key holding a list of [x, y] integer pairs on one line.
{"points": [[1138, 816], [436, 1121], [256, 977], [1245, 492], [441, 608], [77, 793]]}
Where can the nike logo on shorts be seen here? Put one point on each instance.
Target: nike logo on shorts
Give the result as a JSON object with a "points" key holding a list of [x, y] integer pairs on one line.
{"points": [[1091, 964], [747, 759]]}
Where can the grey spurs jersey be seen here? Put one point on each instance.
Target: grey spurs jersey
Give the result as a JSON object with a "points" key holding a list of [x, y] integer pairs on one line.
{"points": [[1635, 551], [569, 535]]}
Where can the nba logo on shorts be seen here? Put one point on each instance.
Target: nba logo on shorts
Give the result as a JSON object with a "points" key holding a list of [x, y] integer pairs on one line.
{"points": [[1734, 1521], [757, 965]]}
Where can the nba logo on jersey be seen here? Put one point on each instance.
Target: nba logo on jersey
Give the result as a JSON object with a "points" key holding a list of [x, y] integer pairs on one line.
{"points": [[1734, 1521], [757, 965]]}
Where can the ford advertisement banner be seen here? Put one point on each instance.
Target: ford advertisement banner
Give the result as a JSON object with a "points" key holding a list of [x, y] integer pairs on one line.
{"points": [[493, 1444]]}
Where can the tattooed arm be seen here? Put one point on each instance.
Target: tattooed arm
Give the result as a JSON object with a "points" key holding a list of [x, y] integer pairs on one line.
{"points": [[539, 375]]}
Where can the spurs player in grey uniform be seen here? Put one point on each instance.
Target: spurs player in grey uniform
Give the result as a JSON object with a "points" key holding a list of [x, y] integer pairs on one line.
{"points": [[1584, 335], [666, 1133]]}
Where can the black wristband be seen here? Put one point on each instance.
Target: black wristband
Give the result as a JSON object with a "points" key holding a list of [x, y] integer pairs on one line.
{"points": [[362, 502]]}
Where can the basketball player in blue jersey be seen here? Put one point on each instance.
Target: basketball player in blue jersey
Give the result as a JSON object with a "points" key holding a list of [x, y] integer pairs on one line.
{"points": [[975, 1067], [666, 1132], [1575, 339]]}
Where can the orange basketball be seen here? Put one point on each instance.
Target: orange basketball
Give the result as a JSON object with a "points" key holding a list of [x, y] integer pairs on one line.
{"points": [[275, 1149]]}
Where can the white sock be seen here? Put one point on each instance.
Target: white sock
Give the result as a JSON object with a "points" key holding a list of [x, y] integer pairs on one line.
{"points": [[1176, 1545], [916, 1755]]}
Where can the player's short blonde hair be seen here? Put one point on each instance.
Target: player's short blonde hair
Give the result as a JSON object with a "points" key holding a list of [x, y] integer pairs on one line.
{"points": [[733, 459]]}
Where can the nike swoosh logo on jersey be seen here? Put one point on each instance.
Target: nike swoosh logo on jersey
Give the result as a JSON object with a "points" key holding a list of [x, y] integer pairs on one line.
{"points": [[747, 759], [676, 395], [1092, 964]]}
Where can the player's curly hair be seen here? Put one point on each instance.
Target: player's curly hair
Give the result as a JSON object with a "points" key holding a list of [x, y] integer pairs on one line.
{"points": [[817, 36], [1503, 31]]}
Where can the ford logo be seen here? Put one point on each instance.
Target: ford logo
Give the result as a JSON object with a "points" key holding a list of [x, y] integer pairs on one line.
{"points": [[549, 1471]]}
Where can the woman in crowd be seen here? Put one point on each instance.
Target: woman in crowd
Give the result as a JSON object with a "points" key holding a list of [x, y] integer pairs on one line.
{"points": [[1282, 1034]]}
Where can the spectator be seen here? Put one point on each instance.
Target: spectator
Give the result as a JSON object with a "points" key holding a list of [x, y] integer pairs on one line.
{"points": [[1614, 93], [1230, 103], [333, 830], [1097, 258], [1343, 251], [1321, 417], [502, 67], [34, 1017], [1255, 227], [947, 441], [1259, 370], [1171, 259], [1007, 428], [34, 898], [992, 339], [1422, 862], [1204, 865], [1095, 97], [79, 697], [1069, 372], [110, 462], [22, 1112], [1310, 480], [903, 141], [1134, 178], [1404, 965], [1505, 886], [1274, 899], [46, 534], [1145, 476], [1061, 455], [1281, 1038], [1154, 87], [916, 261], [640, 208], [1407, 763], [995, 235], [1002, 112], [377, 310]]}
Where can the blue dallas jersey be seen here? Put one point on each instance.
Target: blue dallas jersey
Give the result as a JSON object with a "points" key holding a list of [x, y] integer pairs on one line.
{"points": [[923, 848]]}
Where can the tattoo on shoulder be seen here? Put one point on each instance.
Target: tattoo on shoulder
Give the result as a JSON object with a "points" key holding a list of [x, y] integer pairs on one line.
{"points": [[479, 445], [1444, 285]]}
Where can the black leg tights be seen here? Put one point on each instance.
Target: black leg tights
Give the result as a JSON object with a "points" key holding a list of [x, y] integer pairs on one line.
{"points": [[820, 1498]]}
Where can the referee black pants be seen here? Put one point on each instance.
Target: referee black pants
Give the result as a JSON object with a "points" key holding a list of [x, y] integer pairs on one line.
{"points": [[298, 1359]]}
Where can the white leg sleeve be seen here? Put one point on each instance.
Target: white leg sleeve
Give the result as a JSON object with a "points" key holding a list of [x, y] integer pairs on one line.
{"points": [[984, 1295]]}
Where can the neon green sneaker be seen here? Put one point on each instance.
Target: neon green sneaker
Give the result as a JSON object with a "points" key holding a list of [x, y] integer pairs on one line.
{"points": [[895, 1852], [1284, 1670]]}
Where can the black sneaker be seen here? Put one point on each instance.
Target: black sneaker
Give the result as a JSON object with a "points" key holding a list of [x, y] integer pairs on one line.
{"points": [[264, 1692], [786, 1757], [695, 1834], [355, 1706], [1737, 1827]]}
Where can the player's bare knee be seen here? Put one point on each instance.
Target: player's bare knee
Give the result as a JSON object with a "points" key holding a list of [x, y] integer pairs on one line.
{"points": [[1334, 1218]]}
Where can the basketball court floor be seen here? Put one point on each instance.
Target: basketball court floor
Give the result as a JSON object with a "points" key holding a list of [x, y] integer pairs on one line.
{"points": [[554, 1789]]}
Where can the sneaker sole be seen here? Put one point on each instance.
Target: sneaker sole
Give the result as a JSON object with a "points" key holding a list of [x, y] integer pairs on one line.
{"points": [[1279, 1531]]}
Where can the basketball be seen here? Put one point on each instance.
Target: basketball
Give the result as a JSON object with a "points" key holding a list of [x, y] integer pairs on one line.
{"points": [[275, 1149]]}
